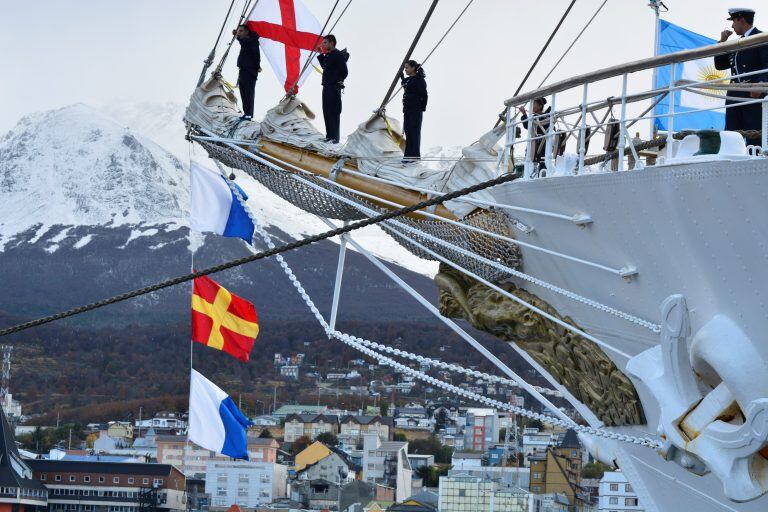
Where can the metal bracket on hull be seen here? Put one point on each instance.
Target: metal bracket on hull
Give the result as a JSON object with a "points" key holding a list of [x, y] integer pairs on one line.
{"points": [[724, 428]]}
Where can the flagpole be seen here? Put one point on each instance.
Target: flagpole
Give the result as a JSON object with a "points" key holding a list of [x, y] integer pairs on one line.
{"points": [[656, 5]]}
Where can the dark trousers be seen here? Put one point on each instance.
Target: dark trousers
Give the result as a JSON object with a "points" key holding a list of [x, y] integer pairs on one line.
{"points": [[247, 83], [748, 117], [332, 111], [412, 128]]}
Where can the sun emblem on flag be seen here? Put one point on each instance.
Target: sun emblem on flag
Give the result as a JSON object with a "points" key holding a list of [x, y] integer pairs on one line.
{"points": [[708, 73]]}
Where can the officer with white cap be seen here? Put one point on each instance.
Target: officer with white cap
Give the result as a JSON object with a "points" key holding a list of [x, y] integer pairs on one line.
{"points": [[745, 61]]}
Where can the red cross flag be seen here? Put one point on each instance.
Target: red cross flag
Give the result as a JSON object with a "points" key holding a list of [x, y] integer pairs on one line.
{"points": [[288, 33]]}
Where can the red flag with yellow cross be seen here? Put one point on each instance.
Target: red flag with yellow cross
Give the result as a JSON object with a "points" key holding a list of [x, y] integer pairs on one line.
{"points": [[222, 320]]}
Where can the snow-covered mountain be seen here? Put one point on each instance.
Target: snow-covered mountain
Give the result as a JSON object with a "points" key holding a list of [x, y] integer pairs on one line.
{"points": [[90, 207], [161, 123]]}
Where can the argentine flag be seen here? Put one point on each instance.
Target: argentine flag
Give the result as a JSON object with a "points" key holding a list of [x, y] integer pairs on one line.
{"points": [[215, 422], [673, 38], [215, 207]]}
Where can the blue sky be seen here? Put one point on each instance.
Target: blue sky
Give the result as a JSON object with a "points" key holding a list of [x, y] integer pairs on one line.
{"points": [[57, 52]]}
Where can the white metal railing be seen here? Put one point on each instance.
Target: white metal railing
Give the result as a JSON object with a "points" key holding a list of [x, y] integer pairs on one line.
{"points": [[559, 123]]}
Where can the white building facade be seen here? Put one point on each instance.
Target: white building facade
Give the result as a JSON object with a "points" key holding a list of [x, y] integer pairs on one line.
{"points": [[471, 494], [616, 494], [387, 464], [243, 483]]}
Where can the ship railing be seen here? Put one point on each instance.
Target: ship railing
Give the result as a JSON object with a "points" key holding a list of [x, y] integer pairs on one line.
{"points": [[620, 148]]}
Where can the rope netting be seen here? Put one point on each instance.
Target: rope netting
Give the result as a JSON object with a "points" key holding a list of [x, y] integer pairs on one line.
{"points": [[309, 199]]}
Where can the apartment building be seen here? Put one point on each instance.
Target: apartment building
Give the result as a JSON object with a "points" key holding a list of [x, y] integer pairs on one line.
{"points": [[616, 494], [309, 425], [244, 483], [192, 460]]}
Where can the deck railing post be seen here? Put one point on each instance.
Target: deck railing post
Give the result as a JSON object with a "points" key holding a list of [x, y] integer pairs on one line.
{"points": [[764, 141], [622, 126], [583, 130], [550, 158], [510, 140], [671, 111], [530, 145]]}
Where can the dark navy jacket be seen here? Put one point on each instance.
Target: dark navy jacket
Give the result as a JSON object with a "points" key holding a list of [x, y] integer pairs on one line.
{"points": [[414, 93], [250, 56], [747, 61], [334, 65]]}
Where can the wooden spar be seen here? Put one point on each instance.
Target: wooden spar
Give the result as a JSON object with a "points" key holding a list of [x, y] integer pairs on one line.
{"points": [[322, 165], [640, 65]]}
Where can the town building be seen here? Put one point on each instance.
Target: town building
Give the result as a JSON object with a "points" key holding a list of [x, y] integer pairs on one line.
{"points": [[164, 422], [20, 491], [244, 483], [309, 425], [481, 429], [192, 460], [558, 471], [507, 476], [463, 493], [11, 407], [321, 462], [419, 461], [266, 420], [197, 499], [290, 371], [423, 501], [114, 486], [535, 442], [617, 494], [386, 465], [286, 410], [466, 460], [352, 429]]}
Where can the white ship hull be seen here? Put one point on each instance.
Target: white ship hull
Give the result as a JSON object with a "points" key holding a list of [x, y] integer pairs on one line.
{"points": [[692, 229]]}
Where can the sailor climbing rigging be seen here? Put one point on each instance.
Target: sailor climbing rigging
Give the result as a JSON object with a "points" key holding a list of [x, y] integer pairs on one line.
{"points": [[414, 106], [334, 63], [747, 117], [249, 64]]}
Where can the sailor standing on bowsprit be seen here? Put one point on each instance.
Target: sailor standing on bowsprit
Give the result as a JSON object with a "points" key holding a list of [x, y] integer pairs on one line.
{"points": [[414, 106], [747, 117], [334, 63], [249, 65]]}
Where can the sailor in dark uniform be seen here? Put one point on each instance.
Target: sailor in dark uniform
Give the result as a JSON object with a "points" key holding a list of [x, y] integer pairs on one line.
{"points": [[334, 63], [746, 61], [249, 64], [540, 126], [414, 105]]}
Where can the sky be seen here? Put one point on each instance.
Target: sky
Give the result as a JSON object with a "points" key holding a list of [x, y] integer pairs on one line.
{"points": [[58, 52]]}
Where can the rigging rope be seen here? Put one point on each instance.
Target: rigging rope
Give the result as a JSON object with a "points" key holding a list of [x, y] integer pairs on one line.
{"points": [[574, 42], [245, 12], [407, 56], [314, 49], [394, 94], [265, 254], [363, 346], [207, 62], [503, 113]]}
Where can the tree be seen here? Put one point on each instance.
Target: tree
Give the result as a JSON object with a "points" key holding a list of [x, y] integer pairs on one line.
{"points": [[399, 436], [440, 418], [265, 433], [327, 439], [300, 444], [502, 435], [594, 469], [430, 475], [384, 408]]}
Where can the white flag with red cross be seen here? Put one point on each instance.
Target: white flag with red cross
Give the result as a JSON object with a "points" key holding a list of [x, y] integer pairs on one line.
{"points": [[288, 33]]}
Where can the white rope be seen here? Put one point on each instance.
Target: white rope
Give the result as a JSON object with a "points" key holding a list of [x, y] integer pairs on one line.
{"points": [[362, 346]]}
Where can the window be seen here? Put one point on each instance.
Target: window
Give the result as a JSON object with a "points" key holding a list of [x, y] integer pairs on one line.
{"points": [[630, 502], [101, 479], [72, 478], [242, 491], [614, 487], [157, 481], [536, 488], [145, 481], [536, 475], [462, 492], [115, 479], [221, 491], [42, 477], [57, 478], [613, 501], [628, 487], [87, 478], [130, 479]]}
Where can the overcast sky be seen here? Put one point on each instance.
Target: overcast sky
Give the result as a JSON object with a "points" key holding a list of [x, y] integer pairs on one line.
{"points": [[57, 52]]}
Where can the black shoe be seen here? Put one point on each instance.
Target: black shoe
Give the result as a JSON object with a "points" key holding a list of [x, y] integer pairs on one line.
{"points": [[246, 118]]}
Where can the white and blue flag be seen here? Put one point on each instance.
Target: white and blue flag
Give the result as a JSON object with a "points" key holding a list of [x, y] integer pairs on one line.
{"points": [[215, 207], [215, 422], [673, 38]]}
